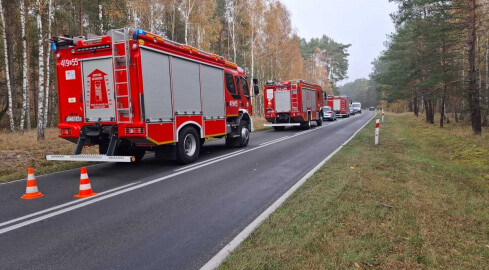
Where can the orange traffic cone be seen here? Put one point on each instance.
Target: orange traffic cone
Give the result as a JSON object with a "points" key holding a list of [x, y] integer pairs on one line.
{"points": [[85, 187], [31, 191]]}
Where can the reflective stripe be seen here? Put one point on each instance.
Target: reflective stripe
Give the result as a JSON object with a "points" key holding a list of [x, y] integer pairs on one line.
{"points": [[31, 177], [85, 187], [31, 189], [84, 176]]}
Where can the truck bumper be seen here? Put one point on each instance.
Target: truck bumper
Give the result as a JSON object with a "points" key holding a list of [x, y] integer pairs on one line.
{"points": [[94, 158]]}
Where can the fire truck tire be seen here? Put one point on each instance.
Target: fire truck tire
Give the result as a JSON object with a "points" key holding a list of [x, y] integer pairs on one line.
{"points": [[230, 141], [320, 120], [188, 145], [279, 128], [307, 124], [244, 134]]}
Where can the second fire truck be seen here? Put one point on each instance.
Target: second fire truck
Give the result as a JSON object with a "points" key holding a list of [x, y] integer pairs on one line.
{"points": [[293, 103]]}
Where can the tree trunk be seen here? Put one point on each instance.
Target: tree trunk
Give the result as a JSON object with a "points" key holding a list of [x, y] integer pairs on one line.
{"points": [[40, 100], [10, 111], [48, 60], [473, 94], [25, 80], [100, 18]]}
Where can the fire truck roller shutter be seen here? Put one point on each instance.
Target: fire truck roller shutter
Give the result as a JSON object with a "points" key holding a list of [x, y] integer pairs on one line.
{"points": [[98, 88], [157, 86], [282, 101], [308, 99], [186, 86], [212, 82]]}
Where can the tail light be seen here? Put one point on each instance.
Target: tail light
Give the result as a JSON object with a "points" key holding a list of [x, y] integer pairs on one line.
{"points": [[330, 112], [65, 131], [134, 130]]}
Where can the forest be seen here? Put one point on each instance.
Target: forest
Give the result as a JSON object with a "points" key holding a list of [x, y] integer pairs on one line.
{"points": [[437, 61], [255, 34]]}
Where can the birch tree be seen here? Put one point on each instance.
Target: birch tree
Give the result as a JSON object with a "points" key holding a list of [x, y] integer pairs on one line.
{"points": [[231, 14], [7, 71], [25, 79], [48, 58], [40, 103], [186, 8]]}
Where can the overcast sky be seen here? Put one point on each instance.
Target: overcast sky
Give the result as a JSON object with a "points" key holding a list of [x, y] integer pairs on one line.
{"points": [[362, 23]]}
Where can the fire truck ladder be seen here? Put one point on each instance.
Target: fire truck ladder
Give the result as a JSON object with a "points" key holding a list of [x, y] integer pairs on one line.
{"points": [[121, 75]]}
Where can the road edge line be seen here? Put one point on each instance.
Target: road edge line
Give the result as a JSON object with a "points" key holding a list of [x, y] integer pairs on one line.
{"points": [[221, 256]]}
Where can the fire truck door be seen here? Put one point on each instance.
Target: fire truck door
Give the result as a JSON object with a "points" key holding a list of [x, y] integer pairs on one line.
{"points": [[98, 90]]}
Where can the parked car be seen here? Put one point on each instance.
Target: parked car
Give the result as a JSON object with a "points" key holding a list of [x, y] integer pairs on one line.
{"points": [[328, 113], [357, 107], [371, 108]]}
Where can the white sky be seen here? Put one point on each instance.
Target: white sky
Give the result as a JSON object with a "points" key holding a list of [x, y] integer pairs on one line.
{"points": [[362, 23]]}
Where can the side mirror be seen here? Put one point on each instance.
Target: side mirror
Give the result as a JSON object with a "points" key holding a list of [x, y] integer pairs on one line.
{"points": [[256, 90]]}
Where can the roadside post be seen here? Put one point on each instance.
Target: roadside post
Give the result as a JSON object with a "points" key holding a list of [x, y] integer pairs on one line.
{"points": [[377, 126], [382, 115]]}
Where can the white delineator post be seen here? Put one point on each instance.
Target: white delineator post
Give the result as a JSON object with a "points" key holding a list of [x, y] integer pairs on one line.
{"points": [[377, 127], [382, 115]]}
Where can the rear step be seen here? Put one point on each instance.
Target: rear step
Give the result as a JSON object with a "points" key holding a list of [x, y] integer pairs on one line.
{"points": [[94, 158], [282, 125]]}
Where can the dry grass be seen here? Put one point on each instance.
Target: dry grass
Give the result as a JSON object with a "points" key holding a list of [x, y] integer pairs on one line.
{"points": [[258, 122], [17, 153], [419, 200]]}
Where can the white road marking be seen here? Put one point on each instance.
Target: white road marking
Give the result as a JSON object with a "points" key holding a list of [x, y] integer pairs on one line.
{"points": [[205, 161], [276, 140], [63, 205], [122, 191], [219, 258]]}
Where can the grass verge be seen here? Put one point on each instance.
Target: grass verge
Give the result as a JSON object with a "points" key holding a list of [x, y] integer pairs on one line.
{"points": [[17, 153], [419, 200]]}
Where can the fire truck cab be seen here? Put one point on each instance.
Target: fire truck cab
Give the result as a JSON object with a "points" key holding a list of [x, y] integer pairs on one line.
{"points": [[131, 91], [293, 103]]}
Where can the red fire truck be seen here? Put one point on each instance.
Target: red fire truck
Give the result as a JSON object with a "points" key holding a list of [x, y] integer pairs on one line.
{"points": [[132, 91], [341, 105], [293, 103]]}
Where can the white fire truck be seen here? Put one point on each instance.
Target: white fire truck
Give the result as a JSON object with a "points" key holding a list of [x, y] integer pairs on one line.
{"points": [[132, 91]]}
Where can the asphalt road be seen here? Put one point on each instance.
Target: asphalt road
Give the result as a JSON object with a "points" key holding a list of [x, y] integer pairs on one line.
{"points": [[159, 215]]}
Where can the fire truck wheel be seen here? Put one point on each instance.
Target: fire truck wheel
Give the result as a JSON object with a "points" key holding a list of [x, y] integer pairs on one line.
{"points": [[306, 125], [188, 146], [244, 134], [320, 120], [230, 141]]}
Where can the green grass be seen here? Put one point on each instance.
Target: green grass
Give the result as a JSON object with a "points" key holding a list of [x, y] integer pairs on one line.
{"points": [[419, 200]]}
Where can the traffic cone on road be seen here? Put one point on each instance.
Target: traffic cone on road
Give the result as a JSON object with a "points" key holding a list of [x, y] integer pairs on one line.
{"points": [[31, 191], [85, 187]]}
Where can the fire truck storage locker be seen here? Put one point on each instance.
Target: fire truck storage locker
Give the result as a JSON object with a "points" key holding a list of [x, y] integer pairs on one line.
{"points": [[98, 90], [308, 100], [157, 86], [282, 101]]}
